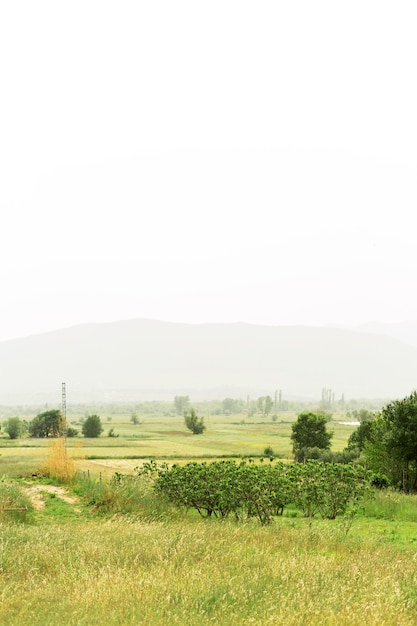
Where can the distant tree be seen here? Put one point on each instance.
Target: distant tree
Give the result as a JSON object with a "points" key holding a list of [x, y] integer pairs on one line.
{"points": [[363, 415], [194, 423], [92, 426], [181, 404], [13, 427], [264, 405], [232, 405], [47, 424], [228, 406], [134, 418], [72, 432], [309, 431]]}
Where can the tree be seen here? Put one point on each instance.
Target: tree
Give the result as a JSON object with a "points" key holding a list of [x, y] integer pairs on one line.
{"points": [[92, 426], [181, 404], [309, 431], [363, 433], [13, 427], [399, 441], [47, 424], [194, 423], [264, 405], [134, 418]]}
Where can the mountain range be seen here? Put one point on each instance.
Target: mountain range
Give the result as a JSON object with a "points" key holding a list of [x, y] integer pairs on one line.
{"points": [[144, 359]]}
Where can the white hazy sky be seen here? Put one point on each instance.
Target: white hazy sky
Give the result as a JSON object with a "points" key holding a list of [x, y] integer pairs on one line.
{"points": [[207, 162]]}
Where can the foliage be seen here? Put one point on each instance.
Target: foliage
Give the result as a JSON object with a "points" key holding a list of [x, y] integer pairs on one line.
{"points": [[390, 445], [181, 404], [71, 432], [363, 415], [309, 431], [328, 456], [13, 427], [222, 488], [47, 424], [194, 423], [365, 432], [92, 426]]}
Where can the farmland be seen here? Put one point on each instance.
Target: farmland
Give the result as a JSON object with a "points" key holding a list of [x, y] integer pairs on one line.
{"points": [[98, 559]]}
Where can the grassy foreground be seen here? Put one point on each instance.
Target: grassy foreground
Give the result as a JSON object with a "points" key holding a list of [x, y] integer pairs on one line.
{"points": [[67, 566]]}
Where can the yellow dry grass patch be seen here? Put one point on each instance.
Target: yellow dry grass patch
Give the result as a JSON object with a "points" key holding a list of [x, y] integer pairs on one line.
{"points": [[58, 463]]}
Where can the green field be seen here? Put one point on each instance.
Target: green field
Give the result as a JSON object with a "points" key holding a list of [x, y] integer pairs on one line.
{"points": [[84, 562]]}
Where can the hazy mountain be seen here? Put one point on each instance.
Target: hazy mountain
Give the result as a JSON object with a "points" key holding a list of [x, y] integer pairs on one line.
{"points": [[144, 359], [404, 331]]}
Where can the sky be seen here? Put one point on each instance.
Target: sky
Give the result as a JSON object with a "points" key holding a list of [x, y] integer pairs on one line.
{"points": [[207, 162]]}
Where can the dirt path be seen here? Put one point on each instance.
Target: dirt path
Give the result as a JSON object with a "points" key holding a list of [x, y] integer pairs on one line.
{"points": [[38, 502]]}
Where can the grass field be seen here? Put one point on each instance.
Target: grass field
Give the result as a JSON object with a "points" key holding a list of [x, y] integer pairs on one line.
{"points": [[71, 563]]}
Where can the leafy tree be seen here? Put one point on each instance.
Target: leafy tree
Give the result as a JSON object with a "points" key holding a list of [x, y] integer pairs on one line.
{"points": [[309, 431], [13, 427], [181, 404], [92, 426], [72, 432], [194, 423], [47, 424], [399, 441], [364, 432]]}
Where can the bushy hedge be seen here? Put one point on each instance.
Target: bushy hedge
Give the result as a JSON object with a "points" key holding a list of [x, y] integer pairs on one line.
{"points": [[246, 489]]}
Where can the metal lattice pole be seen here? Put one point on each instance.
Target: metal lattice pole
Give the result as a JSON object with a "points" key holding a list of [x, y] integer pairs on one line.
{"points": [[64, 411]]}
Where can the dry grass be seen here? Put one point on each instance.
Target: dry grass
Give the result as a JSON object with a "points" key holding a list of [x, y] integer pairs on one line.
{"points": [[58, 464]]}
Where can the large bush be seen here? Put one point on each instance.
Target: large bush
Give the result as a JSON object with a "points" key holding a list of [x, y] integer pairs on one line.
{"points": [[92, 426]]}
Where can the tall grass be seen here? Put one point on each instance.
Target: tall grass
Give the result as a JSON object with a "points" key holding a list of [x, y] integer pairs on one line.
{"points": [[130, 573], [126, 495], [58, 464], [14, 503]]}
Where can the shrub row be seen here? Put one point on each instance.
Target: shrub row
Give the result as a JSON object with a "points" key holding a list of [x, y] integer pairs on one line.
{"points": [[222, 488]]}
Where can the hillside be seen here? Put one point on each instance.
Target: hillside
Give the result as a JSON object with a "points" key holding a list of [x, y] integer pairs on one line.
{"points": [[144, 359]]}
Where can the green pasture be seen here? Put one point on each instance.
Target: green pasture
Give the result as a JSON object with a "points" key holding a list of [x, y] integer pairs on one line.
{"points": [[166, 437]]}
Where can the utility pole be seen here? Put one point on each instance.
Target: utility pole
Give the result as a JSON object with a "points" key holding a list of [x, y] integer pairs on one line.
{"points": [[64, 411]]}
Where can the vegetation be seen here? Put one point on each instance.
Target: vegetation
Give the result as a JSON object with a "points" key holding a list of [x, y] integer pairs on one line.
{"points": [[308, 432], [125, 544], [58, 464], [92, 426], [14, 427], [194, 423], [47, 424], [248, 490], [14, 503], [181, 404]]}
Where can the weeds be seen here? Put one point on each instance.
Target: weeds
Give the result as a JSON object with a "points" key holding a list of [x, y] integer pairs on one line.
{"points": [[14, 503], [58, 464]]}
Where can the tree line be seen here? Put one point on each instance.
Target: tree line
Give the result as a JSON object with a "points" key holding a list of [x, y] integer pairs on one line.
{"points": [[51, 424]]}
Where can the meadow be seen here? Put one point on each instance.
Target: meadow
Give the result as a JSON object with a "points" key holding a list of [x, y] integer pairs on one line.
{"points": [[99, 559]]}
